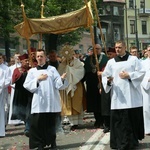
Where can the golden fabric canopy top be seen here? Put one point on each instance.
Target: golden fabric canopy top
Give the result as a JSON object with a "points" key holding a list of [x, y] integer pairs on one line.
{"points": [[56, 24]]}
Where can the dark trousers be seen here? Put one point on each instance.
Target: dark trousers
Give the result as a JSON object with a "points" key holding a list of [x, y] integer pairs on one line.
{"points": [[43, 129], [127, 128], [99, 120]]}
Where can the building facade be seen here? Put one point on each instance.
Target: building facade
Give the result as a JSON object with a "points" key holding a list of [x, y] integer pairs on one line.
{"points": [[137, 23], [111, 13]]}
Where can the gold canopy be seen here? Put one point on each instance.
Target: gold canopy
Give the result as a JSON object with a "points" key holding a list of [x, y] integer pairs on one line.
{"points": [[56, 24]]}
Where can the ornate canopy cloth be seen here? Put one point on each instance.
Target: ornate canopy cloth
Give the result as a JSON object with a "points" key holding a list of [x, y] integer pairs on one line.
{"points": [[56, 24]]}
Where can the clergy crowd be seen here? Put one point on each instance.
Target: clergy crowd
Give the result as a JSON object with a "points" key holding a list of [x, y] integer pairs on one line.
{"points": [[39, 90]]}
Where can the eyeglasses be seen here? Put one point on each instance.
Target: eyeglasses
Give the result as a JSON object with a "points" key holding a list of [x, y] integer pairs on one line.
{"points": [[118, 47], [133, 52]]}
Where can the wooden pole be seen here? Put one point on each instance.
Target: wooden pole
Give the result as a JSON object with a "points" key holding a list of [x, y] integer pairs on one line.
{"points": [[92, 37], [99, 25], [29, 52], [42, 16], [94, 50], [40, 41]]}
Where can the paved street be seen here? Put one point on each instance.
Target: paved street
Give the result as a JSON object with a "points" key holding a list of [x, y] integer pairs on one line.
{"points": [[84, 138]]}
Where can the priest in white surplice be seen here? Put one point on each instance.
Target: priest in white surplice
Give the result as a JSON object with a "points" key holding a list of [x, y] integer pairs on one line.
{"points": [[44, 82], [146, 92], [123, 74]]}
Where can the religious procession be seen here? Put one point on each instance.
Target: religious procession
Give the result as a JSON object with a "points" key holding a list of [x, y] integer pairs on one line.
{"points": [[65, 99]]}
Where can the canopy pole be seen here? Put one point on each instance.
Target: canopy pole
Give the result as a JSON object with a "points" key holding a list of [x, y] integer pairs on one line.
{"points": [[42, 16], [94, 50], [42, 9], [99, 25], [40, 41], [92, 37], [29, 52]]}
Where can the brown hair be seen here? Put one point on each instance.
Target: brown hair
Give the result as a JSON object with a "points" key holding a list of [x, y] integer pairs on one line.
{"points": [[41, 50], [121, 42]]}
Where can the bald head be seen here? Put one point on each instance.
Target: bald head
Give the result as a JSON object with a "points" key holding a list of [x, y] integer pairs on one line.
{"points": [[98, 48]]}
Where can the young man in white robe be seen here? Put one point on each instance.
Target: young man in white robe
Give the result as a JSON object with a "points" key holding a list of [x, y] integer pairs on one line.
{"points": [[123, 75], [146, 93], [5, 79], [44, 82]]}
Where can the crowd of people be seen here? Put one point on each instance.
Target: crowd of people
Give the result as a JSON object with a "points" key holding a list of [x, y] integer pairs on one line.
{"points": [[38, 90]]}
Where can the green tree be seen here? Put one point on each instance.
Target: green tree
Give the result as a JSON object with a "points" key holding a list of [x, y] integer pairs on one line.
{"points": [[5, 25]]}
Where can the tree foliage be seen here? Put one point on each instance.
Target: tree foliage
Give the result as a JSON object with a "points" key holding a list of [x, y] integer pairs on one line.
{"points": [[11, 14]]}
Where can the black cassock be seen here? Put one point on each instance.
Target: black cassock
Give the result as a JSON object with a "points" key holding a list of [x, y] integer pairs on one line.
{"points": [[22, 97], [93, 96]]}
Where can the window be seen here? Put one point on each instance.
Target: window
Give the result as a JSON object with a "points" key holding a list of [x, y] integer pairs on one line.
{"points": [[142, 3], [144, 27], [100, 11], [108, 10], [132, 26], [115, 11], [131, 4], [116, 34]]}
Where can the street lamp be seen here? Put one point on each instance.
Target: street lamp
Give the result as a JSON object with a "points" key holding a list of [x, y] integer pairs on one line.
{"points": [[136, 31]]}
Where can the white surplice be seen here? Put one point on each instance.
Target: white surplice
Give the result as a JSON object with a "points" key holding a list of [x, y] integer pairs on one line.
{"points": [[146, 95], [125, 93], [46, 97], [2, 104], [4, 82]]}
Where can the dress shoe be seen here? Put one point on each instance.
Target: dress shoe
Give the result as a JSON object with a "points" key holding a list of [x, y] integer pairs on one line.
{"points": [[26, 133], [53, 146], [106, 129], [101, 126], [74, 127]]}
